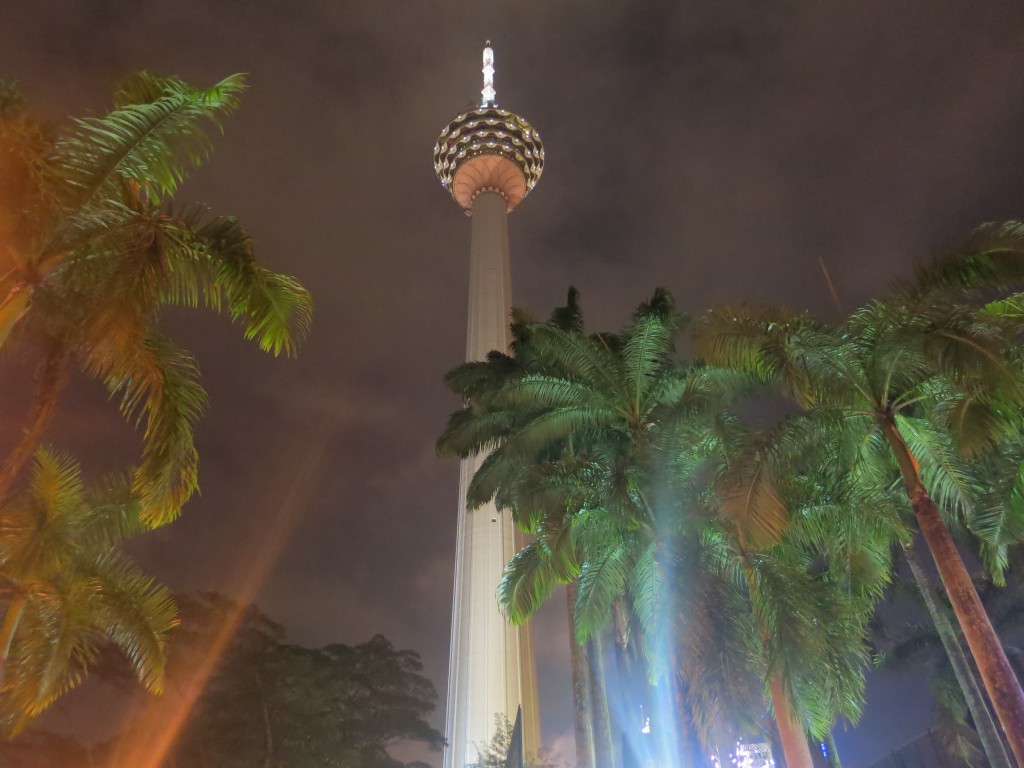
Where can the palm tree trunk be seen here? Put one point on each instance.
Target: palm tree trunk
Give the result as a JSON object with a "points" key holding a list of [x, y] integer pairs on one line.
{"points": [[52, 377], [1003, 689], [791, 732], [12, 309], [987, 732], [581, 702], [689, 744], [604, 745], [11, 620]]}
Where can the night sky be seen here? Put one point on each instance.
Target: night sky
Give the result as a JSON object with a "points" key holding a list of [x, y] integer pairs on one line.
{"points": [[716, 148]]}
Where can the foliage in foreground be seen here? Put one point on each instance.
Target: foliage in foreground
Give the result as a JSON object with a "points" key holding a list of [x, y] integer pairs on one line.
{"points": [[94, 247], [70, 590], [645, 490], [269, 702]]}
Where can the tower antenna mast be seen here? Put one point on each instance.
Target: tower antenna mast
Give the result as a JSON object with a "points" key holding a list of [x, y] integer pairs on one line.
{"points": [[487, 94]]}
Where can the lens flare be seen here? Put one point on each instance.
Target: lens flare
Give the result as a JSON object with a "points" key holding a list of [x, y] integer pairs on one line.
{"points": [[147, 743]]}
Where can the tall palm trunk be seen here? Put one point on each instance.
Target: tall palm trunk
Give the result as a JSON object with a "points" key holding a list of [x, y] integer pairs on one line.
{"points": [[987, 732], [10, 626], [604, 745], [581, 701], [791, 731], [12, 309], [1002, 686], [690, 746], [51, 377]]}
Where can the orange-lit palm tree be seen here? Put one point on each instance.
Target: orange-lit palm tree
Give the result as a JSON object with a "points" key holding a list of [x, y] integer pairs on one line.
{"points": [[67, 588], [92, 249]]}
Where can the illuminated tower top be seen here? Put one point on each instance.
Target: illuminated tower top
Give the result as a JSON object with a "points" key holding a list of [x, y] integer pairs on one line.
{"points": [[490, 149], [487, 94]]}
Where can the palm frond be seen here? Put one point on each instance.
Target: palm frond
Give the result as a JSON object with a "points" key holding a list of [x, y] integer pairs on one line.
{"points": [[991, 259], [945, 474], [578, 357], [750, 502], [766, 342], [569, 317], [528, 580], [136, 614], [603, 578], [649, 344], [158, 383], [213, 259], [151, 143]]}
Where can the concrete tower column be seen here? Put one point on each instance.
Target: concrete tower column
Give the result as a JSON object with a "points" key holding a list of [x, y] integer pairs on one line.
{"points": [[488, 159]]}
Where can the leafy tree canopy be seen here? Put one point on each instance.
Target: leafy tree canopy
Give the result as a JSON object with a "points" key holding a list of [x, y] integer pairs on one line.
{"points": [[269, 702], [273, 703]]}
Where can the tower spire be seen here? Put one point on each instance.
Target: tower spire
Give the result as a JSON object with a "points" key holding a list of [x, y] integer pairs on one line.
{"points": [[487, 94]]}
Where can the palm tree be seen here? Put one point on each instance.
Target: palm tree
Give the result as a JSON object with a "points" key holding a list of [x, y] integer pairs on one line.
{"points": [[96, 249], [561, 399], [810, 560], [930, 375], [69, 590], [592, 444], [478, 380]]}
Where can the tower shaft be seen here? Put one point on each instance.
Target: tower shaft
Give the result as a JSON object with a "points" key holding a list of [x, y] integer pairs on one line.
{"points": [[491, 671]]}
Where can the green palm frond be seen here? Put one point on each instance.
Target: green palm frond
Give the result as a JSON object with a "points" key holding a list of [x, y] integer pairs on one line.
{"points": [[772, 344], [37, 530], [569, 317], [649, 345], [945, 474], [1009, 308], [212, 259], [977, 426], [56, 644], [556, 425], [992, 258], [158, 384], [152, 143], [114, 513], [528, 580], [646, 587], [969, 347], [998, 517], [603, 577], [477, 379], [535, 391], [496, 474], [470, 432], [58, 550], [556, 542], [136, 614], [579, 358]]}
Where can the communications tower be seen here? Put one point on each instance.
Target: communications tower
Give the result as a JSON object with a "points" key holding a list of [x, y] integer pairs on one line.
{"points": [[488, 159]]}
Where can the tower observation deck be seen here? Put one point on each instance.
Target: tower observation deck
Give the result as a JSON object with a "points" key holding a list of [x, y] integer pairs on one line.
{"points": [[488, 159]]}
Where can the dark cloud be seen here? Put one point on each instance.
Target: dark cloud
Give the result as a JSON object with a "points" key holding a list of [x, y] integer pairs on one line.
{"points": [[719, 149]]}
